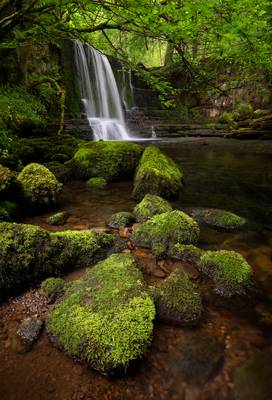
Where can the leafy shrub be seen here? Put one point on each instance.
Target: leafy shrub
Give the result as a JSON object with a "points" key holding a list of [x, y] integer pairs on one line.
{"points": [[20, 109]]}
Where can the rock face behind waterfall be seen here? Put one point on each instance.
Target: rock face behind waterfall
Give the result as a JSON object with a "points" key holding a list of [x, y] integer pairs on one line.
{"points": [[113, 161]]}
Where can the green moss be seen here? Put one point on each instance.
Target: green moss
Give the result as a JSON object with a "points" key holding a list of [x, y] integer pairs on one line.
{"points": [[252, 381], [186, 252], [162, 231], [177, 300], [57, 219], [6, 179], [59, 157], [120, 220], [229, 271], [149, 206], [61, 171], [106, 318], [29, 253], [113, 161], [9, 209], [53, 287], [40, 187], [97, 182], [157, 174], [218, 218]]}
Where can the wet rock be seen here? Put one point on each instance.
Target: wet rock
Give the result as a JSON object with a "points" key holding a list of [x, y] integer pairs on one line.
{"points": [[121, 220], [218, 218], [163, 231], [177, 300], [229, 271], [252, 381], [106, 317], [29, 330], [119, 245], [149, 206], [157, 174]]}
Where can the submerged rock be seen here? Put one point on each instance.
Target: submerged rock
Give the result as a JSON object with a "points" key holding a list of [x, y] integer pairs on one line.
{"points": [[163, 231], [121, 220], [218, 218], [113, 161], [229, 271], [58, 219], [29, 253], [29, 330], [186, 252], [197, 358], [98, 183], [40, 186], [252, 381], [177, 300], [157, 174], [149, 206], [106, 317]]}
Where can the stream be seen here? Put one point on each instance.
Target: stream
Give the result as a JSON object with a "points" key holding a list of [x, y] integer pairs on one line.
{"points": [[183, 363]]}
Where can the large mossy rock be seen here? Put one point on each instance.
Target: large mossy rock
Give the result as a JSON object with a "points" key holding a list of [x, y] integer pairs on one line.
{"points": [[177, 300], [149, 206], [157, 174], [40, 186], [29, 253], [218, 218], [106, 317], [163, 231], [229, 271], [252, 381], [113, 161]]}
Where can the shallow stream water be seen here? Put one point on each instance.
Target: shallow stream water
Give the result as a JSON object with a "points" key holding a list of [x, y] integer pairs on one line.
{"points": [[189, 364]]}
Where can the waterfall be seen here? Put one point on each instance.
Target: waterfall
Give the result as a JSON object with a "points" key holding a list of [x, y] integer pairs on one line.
{"points": [[99, 94]]}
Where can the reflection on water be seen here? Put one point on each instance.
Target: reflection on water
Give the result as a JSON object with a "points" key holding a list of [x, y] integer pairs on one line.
{"points": [[194, 364]]}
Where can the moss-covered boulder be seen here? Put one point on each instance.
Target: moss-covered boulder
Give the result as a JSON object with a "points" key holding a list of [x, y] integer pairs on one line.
{"points": [[163, 231], [186, 252], [97, 183], [113, 161], [229, 271], [157, 174], [252, 381], [53, 288], [121, 219], [105, 318], [149, 206], [177, 300], [40, 186], [58, 219], [7, 178], [218, 218], [29, 253]]}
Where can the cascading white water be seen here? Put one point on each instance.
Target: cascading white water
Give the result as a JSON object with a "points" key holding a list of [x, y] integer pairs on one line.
{"points": [[99, 94]]}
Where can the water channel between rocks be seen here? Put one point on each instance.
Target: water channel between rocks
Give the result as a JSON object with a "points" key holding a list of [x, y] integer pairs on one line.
{"points": [[189, 364]]}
